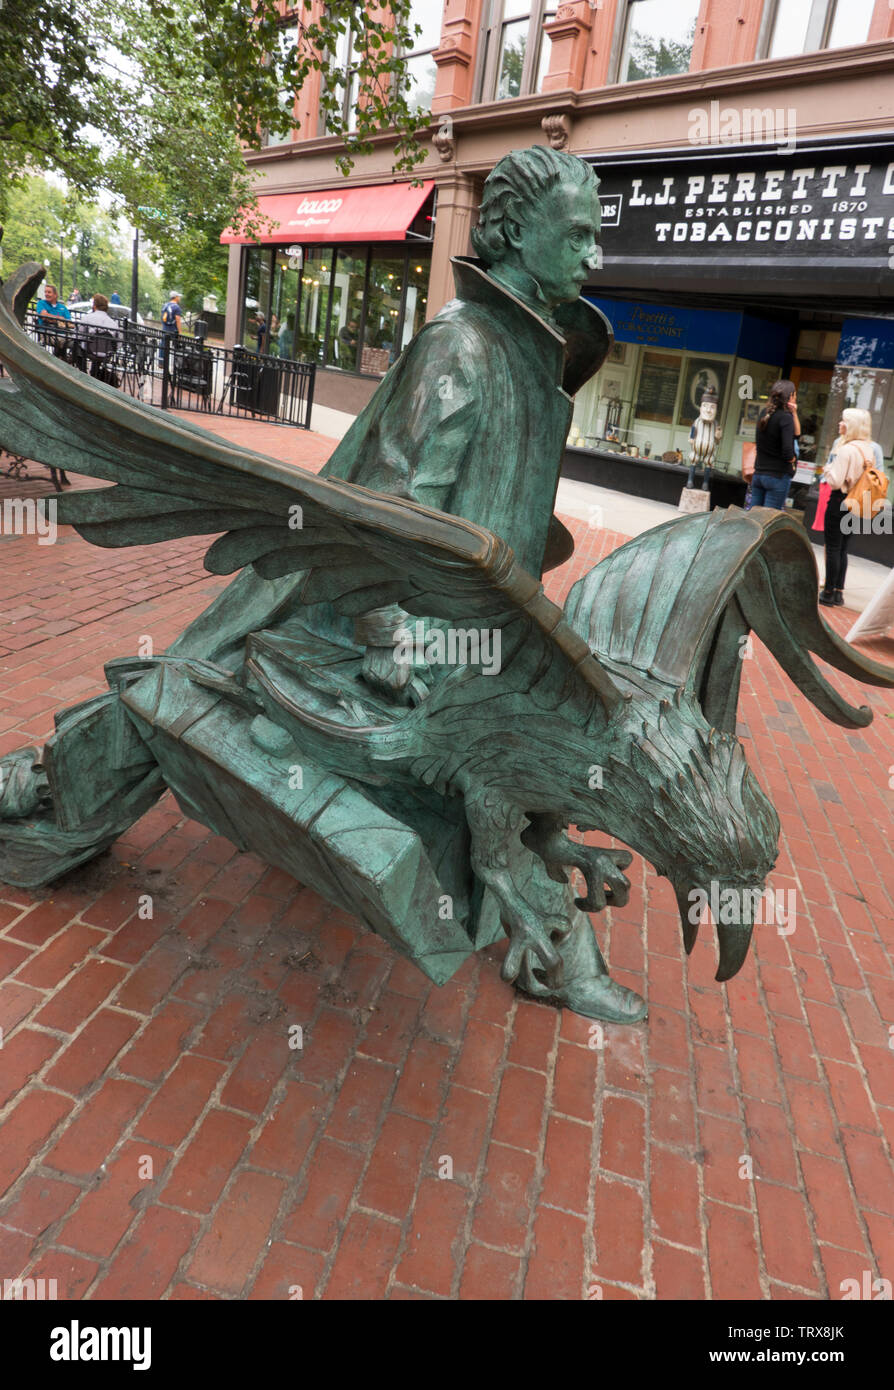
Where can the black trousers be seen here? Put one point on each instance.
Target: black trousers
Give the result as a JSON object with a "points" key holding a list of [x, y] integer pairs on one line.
{"points": [[837, 540]]}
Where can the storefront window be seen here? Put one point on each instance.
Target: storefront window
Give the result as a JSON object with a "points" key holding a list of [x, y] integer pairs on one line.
{"points": [[382, 313], [347, 309], [658, 39], [867, 388], [256, 301], [283, 305], [252, 284], [416, 300], [314, 304], [320, 305]]}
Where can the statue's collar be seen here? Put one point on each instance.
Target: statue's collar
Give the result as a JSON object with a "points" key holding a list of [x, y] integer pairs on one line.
{"points": [[475, 286], [580, 329]]}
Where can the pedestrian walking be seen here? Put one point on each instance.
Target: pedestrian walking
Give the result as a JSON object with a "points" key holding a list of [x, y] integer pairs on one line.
{"points": [[171, 316], [775, 461], [852, 453]]}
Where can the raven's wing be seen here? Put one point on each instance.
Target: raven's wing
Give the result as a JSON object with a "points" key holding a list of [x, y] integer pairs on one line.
{"points": [[715, 579], [364, 549]]}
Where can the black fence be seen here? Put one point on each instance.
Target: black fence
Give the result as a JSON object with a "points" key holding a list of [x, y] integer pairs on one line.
{"points": [[176, 372], [234, 381]]}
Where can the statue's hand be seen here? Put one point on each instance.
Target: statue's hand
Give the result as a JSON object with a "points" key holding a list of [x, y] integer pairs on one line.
{"points": [[605, 881], [397, 680], [530, 944]]}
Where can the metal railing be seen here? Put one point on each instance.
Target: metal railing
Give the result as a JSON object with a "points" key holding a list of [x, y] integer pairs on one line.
{"points": [[176, 372], [234, 381]]}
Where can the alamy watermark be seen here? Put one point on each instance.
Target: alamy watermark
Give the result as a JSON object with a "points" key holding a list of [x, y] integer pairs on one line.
{"points": [[23, 516], [452, 646], [731, 907], [752, 125]]}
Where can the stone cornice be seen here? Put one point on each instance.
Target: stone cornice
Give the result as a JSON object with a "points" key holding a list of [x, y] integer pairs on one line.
{"points": [[751, 84]]}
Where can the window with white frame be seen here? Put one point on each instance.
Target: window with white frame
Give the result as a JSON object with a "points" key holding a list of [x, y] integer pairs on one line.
{"points": [[422, 70], [288, 37], [803, 26], [658, 38], [515, 48], [346, 57]]}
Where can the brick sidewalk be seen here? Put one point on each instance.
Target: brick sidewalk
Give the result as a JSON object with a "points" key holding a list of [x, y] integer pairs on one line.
{"points": [[159, 1137]]}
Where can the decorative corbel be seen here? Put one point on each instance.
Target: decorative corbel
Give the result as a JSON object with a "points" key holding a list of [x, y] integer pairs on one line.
{"points": [[444, 141], [557, 128]]}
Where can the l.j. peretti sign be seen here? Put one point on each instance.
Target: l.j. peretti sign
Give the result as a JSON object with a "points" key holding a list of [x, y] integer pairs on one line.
{"points": [[819, 208]]}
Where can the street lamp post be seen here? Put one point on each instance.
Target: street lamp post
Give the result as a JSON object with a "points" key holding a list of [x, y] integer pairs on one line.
{"points": [[135, 273]]}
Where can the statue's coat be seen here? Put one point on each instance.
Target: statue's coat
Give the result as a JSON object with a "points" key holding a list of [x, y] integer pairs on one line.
{"points": [[472, 419]]}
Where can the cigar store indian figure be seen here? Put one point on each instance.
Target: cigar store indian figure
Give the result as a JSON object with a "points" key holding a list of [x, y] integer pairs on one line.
{"points": [[429, 795]]}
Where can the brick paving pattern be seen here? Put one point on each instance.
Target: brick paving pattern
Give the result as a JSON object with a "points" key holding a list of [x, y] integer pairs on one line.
{"points": [[159, 1137]]}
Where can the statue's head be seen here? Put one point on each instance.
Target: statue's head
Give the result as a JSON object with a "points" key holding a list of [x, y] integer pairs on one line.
{"points": [[540, 216], [708, 407]]}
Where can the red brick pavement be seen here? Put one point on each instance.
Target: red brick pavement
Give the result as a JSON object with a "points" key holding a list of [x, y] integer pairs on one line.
{"points": [[160, 1138]]}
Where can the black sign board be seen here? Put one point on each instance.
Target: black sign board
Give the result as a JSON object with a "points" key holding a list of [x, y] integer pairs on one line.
{"points": [[806, 214]]}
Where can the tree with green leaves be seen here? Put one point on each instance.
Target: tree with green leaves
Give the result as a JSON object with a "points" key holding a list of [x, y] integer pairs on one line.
{"points": [[155, 102], [78, 242]]}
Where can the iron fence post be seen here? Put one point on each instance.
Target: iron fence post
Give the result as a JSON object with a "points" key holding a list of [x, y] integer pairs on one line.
{"points": [[310, 394], [166, 371]]}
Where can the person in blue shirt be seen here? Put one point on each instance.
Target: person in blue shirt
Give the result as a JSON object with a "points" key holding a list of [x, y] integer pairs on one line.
{"points": [[115, 298], [171, 315], [49, 306]]}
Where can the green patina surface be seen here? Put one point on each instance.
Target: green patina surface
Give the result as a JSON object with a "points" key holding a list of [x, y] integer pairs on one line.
{"points": [[431, 796]]}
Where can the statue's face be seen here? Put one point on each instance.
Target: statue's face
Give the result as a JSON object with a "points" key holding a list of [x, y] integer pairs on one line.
{"points": [[708, 410], [559, 238]]}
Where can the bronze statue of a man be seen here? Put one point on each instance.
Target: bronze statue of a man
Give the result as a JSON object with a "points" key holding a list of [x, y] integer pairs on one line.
{"points": [[430, 797], [473, 417]]}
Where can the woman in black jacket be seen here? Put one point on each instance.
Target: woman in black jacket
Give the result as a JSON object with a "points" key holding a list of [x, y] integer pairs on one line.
{"points": [[775, 462]]}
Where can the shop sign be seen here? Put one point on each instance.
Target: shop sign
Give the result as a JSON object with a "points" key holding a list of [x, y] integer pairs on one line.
{"points": [[783, 213]]}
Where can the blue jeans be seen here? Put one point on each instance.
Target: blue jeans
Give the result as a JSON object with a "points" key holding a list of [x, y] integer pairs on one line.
{"points": [[769, 491]]}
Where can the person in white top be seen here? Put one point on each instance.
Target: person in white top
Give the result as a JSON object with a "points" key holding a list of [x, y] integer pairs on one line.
{"points": [[850, 455], [99, 316]]}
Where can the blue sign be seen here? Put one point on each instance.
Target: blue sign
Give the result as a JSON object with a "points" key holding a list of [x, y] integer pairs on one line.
{"points": [[661, 325], [867, 343], [695, 330]]}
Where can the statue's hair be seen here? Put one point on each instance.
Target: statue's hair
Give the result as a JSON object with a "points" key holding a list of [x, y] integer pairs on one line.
{"points": [[521, 177]]}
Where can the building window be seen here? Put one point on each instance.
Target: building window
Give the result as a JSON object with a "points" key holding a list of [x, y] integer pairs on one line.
{"points": [[416, 299], [346, 80], [422, 71], [346, 319], [515, 48], [383, 307], [803, 26], [313, 313], [288, 37], [658, 38], [256, 297], [354, 308]]}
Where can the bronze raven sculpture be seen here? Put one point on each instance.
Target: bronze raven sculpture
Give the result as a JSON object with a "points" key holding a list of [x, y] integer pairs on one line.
{"points": [[441, 823]]}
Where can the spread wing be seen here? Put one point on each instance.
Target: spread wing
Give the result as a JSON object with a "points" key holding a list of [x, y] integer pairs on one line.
{"points": [[715, 579], [363, 549]]}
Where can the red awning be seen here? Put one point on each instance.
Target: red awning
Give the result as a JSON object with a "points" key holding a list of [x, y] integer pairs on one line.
{"points": [[382, 213]]}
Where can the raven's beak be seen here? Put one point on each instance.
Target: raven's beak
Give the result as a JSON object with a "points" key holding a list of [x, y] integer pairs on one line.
{"points": [[689, 901], [733, 940], [733, 943]]}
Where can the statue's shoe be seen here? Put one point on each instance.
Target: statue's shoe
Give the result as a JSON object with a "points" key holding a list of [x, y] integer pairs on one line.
{"points": [[602, 998], [587, 987], [34, 849]]}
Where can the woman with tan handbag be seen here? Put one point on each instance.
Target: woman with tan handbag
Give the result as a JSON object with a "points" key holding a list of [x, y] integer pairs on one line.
{"points": [[851, 454]]}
